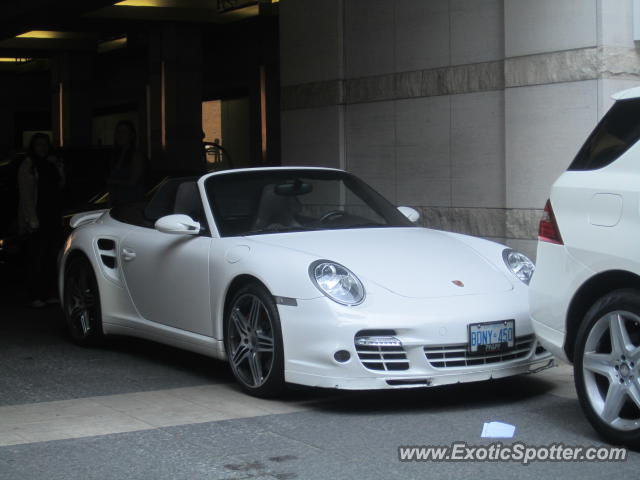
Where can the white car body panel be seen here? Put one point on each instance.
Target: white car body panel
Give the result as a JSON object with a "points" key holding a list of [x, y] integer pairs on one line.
{"points": [[445, 257], [181, 277], [598, 213], [172, 289]]}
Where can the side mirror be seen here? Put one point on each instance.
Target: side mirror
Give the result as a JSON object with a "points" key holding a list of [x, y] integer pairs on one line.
{"points": [[178, 224], [411, 213]]}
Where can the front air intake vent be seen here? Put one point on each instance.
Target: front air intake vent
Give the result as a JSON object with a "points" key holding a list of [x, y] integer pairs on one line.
{"points": [[410, 382], [109, 262], [107, 248], [456, 356], [380, 350], [106, 244]]}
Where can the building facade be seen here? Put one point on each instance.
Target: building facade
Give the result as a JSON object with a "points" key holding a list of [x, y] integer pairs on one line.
{"points": [[465, 109]]}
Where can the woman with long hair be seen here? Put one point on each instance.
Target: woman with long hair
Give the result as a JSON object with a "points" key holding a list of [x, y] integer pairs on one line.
{"points": [[40, 181], [125, 180]]}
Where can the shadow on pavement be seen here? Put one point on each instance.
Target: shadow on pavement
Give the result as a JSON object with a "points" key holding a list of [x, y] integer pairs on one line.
{"points": [[40, 363], [475, 395]]}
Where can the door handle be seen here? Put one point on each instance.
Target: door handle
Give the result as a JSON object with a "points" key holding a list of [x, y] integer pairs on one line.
{"points": [[128, 254]]}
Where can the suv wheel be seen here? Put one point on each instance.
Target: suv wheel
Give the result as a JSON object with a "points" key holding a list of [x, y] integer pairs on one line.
{"points": [[607, 367]]}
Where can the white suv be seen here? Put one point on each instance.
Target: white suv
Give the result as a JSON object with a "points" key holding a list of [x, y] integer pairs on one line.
{"points": [[585, 293]]}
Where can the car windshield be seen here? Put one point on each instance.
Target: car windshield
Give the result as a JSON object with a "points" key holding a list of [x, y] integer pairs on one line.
{"points": [[273, 201]]}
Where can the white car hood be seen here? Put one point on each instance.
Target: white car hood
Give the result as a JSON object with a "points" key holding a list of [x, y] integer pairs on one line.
{"points": [[411, 262]]}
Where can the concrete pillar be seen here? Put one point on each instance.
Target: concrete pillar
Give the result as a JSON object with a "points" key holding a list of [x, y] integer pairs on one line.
{"points": [[264, 114], [312, 55], [72, 99], [7, 108], [175, 98], [270, 94]]}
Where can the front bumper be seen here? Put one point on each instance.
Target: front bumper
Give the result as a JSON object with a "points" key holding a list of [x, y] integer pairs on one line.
{"points": [[387, 381], [315, 329]]}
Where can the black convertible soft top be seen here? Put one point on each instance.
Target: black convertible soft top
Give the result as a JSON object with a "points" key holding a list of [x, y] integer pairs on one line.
{"points": [[172, 195]]}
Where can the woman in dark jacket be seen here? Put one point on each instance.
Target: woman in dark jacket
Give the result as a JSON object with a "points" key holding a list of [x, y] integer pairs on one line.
{"points": [[40, 181], [125, 180]]}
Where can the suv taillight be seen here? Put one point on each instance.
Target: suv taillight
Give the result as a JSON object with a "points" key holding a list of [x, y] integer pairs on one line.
{"points": [[548, 230]]}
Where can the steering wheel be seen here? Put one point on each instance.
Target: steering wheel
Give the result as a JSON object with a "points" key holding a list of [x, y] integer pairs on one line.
{"points": [[332, 214]]}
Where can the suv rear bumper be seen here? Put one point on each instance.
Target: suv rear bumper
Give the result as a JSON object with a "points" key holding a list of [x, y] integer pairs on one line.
{"points": [[552, 340], [557, 277]]}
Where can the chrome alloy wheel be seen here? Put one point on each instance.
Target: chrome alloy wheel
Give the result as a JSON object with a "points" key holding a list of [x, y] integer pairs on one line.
{"points": [[251, 340], [80, 302], [611, 369]]}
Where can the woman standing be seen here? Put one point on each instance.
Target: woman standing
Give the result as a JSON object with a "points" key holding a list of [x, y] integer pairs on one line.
{"points": [[40, 181], [127, 167]]}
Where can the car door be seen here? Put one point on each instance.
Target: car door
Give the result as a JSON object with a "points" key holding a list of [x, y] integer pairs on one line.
{"points": [[167, 275]]}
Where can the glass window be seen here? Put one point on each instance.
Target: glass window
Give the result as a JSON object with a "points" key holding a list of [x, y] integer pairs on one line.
{"points": [[618, 130], [271, 201]]}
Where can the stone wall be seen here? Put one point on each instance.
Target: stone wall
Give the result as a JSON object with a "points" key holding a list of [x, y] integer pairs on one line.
{"points": [[465, 109]]}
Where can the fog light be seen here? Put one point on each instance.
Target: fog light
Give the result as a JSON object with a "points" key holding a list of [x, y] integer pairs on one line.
{"points": [[378, 342], [342, 356]]}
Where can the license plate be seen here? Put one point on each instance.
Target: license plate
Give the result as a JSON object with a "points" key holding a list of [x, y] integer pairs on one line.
{"points": [[492, 336]]}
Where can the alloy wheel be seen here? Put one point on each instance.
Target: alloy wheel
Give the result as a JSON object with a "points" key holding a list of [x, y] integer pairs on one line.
{"points": [[251, 340], [81, 303], [611, 369]]}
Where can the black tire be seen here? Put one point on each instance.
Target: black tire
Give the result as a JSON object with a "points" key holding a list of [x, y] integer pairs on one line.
{"points": [[595, 387], [247, 344], [81, 302]]}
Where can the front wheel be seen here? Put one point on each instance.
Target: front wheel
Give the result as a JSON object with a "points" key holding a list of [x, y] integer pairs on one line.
{"points": [[253, 342], [607, 367], [81, 302]]}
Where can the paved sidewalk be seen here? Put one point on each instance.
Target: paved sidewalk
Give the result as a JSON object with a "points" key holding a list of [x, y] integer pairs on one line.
{"points": [[138, 410]]}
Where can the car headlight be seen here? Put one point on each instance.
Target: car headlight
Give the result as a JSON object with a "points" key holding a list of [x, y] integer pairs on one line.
{"points": [[519, 264], [337, 282]]}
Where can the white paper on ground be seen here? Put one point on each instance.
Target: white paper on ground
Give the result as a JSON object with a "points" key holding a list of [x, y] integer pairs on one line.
{"points": [[498, 430]]}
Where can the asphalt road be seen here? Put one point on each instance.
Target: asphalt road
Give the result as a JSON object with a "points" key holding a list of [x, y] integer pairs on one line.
{"points": [[137, 410]]}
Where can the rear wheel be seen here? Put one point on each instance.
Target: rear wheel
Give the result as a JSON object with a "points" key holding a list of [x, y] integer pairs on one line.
{"points": [[253, 341], [82, 302], [607, 367]]}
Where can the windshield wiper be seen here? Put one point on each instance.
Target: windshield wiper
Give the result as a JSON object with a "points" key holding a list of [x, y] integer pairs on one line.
{"points": [[365, 225], [259, 231], [301, 228]]}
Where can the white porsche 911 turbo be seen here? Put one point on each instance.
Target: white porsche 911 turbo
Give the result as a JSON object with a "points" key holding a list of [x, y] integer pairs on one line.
{"points": [[304, 276]]}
